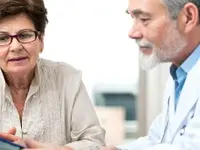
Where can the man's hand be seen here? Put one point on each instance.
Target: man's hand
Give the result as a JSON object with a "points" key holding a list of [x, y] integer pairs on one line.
{"points": [[10, 135], [35, 145], [109, 148]]}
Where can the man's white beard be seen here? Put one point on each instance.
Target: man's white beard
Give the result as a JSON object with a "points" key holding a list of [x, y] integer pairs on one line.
{"points": [[169, 50], [147, 62]]}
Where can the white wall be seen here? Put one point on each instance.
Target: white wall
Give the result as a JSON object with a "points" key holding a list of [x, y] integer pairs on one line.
{"points": [[92, 36], [156, 85], [152, 86]]}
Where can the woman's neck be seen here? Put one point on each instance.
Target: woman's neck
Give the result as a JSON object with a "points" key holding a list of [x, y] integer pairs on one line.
{"points": [[19, 82]]}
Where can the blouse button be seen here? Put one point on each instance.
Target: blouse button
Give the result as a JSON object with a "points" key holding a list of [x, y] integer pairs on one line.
{"points": [[182, 131], [24, 131]]}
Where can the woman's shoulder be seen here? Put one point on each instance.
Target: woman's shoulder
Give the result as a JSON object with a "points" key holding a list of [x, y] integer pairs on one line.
{"points": [[61, 69]]}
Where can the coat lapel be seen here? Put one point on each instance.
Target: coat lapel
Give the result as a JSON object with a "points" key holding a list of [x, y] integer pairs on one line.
{"points": [[187, 99]]}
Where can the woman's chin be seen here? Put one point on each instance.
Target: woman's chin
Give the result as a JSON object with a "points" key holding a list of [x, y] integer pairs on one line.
{"points": [[19, 70]]}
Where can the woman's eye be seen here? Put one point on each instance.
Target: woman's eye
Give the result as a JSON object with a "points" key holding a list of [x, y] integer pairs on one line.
{"points": [[25, 35], [4, 37]]}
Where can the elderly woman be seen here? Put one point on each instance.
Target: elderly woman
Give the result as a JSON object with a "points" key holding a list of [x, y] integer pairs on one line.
{"points": [[41, 99]]}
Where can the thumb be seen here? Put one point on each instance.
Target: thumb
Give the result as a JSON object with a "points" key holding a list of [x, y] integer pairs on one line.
{"points": [[20, 142], [33, 144], [108, 148], [12, 131]]}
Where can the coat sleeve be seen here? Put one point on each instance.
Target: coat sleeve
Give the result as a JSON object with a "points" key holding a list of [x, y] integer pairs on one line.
{"points": [[156, 130], [154, 136], [86, 132]]}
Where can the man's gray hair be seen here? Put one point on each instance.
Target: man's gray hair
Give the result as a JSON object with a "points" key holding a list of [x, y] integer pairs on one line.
{"points": [[175, 6]]}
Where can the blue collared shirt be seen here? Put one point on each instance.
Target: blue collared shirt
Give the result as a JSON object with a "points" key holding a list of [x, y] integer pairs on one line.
{"points": [[179, 74]]}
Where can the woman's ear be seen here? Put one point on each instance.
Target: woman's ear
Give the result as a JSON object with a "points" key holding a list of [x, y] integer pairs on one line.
{"points": [[41, 38], [189, 17]]}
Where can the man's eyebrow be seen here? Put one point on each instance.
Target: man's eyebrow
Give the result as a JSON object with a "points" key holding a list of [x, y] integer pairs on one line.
{"points": [[137, 12]]}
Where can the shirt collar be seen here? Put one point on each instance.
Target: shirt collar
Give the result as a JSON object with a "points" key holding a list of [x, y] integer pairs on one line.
{"points": [[186, 66], [191, 60]]}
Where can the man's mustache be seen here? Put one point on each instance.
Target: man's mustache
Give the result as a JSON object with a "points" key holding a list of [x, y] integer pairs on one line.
{"points": [[145, 44]]}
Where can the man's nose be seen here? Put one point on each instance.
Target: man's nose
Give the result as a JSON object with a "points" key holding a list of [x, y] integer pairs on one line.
{"points": [[135, 32]]}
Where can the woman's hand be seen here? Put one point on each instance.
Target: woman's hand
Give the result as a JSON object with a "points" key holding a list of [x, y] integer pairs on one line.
{"points": [[109, 148], [35, 145], [10, 135]]}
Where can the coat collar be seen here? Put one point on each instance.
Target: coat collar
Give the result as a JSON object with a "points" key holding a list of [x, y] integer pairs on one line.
{"points": [[188, 98]]}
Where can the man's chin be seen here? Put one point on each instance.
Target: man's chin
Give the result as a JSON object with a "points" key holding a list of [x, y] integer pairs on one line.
{"points": [[146, 51], [146, 66], [148, 62]]}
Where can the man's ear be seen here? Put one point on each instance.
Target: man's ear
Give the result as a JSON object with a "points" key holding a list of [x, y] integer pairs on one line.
{"points": [[189, 17]]}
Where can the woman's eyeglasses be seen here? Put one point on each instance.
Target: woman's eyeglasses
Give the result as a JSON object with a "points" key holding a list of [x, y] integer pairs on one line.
{"points": [[23, 36]]}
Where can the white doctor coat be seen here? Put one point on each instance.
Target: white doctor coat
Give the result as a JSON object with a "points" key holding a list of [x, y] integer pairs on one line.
{"points": [[178, 130]]}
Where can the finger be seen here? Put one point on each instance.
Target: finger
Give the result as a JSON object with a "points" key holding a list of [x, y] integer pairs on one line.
{"points": [[33, 144], [104, 148], [20, 142], [34, 149], [108, 148], [12, 130], [9, 137]]}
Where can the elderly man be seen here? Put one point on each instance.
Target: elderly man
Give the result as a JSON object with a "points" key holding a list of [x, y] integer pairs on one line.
{"points": [[169, 31]]}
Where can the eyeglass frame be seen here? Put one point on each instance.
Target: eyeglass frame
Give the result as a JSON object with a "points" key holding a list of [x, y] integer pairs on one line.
{"points": [[37, 34]]}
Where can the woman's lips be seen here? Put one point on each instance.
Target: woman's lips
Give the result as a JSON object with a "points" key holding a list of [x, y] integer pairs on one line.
{"points": [[18, 59]]}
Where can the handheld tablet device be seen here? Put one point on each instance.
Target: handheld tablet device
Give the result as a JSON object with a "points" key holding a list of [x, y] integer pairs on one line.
{"points": [[7, 145]]}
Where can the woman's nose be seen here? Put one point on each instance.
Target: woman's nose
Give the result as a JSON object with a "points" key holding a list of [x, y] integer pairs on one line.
{"points": [[15, 45]]}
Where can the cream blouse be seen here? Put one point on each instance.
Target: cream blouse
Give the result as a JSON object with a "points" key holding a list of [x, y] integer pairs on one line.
{"points": [[57, 109]]}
